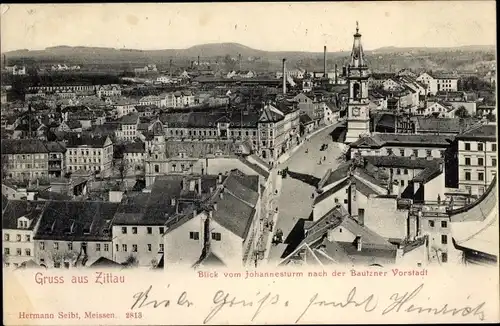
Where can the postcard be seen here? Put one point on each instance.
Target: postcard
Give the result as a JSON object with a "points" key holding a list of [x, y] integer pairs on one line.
{"points": [[249, 163]]}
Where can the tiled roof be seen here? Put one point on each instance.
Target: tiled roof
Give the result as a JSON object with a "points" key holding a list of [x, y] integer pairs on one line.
{"points": [[428, 174], [384, 139], [24, 146], [17, 208], [482, 132], [136, 147], [74, 140], [305, 119], [402, 162], [103, 262], [196, 149], [333, 176], [129, 119], [444, 125], [76, 221]]}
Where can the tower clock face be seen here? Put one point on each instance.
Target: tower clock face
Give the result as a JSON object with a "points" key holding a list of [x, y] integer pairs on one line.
{"points": [[355, 112]]}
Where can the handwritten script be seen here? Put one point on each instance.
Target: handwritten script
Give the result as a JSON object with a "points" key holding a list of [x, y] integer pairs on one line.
{"points": [[223, 301]]}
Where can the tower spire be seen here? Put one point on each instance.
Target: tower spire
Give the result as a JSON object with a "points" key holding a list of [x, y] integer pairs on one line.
{"points": [[357, 27]]}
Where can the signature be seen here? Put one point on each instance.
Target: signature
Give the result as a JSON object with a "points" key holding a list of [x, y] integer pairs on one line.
{"points": [[399, 302]]}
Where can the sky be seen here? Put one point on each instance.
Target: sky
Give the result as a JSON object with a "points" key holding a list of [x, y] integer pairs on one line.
{"points": [[263, 26]]}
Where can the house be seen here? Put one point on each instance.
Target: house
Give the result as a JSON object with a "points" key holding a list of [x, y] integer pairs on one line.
{"points": [[165, 80], [74, 233], [20, 220], [32, 159], [477, 158], [391, 85], [439, 109], [339, 239], [89, 153], [124, 106], [440, 126], [108, 91], [226, 227], [134, 154], [128, 127], [306, 124], [16, 70], [150, 100], [417, 145], [438, 82], [331, 113]]}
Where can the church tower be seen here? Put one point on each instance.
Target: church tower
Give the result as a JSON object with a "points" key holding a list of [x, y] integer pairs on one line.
{"points": [[358, 115], [156, 160]]}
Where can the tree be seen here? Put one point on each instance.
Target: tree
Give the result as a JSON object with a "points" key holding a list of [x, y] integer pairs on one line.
{"points": [[462, 112], [121, 167], [491, 117], [131, 261]]}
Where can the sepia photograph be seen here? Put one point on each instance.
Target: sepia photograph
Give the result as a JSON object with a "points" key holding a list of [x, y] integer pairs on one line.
{"points": [[284, 147]]}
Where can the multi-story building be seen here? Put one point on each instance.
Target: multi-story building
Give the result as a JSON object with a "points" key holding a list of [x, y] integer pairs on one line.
{"points": [[437, 83], [108, 90], [128, 127], [74, 233], [27, 159], [89, 153], [16, 70], [208, 234], [416, 145], [124, 106], [20, 220], [477, 158]]}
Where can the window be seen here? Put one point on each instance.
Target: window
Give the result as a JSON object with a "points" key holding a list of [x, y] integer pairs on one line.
{"points": [[216, 236], [467, 146], [480, 161], [406, 171], [480, 147], [415, 152], [194, 235], [402, 152], [42, 245], [106, 247], [493, 147], [444, 224], [480, 176], [441, 153], [124, 230], [6, 237], [150, 230], [134, 248], [398, 171], [428, 152], [70, 246], [149, 247], [402, 183], [444, 239], [19, 252], [162, 229], [18, 238], [161, 247], [431, 223], [467, 176], [134, 230], [56, 245], [117, 247], [27, 252], [345, 201], [97, 247], [493, 162], [157, 168], [389, 151], [124, 247], [6, 251], [444, 257]]}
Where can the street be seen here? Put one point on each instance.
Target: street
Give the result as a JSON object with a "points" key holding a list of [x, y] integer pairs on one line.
{"points": [[295, 202]]}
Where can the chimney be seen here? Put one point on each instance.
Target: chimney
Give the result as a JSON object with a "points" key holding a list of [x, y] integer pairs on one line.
{"points": [[284, 76], [219, 179], [199, 186], [195, 213], [353, 204], [324, 62], [239, 61], [359, 243], [37, 183], [170, 68], [336, 75], [344, 71], [198, 61]]}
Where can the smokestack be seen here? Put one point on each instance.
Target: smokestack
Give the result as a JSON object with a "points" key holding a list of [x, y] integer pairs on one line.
{"points": [[198, 61], [239, 61], [284, 76], [324, 62], [170, 68], [336, 74]]}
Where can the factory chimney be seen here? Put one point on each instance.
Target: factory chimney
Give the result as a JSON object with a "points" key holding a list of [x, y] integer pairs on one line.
{"points": [[336, 74], [239, 61], [324, 62], [170, 68], [284, 76], [198, 61]]}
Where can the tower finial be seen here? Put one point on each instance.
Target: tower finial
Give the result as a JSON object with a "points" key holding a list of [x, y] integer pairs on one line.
{"points": [[357, 27]]}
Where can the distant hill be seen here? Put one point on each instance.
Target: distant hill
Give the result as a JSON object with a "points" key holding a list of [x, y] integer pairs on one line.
{"points": [[380, 59]]}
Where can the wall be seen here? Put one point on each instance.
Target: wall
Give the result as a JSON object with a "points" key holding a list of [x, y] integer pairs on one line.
{"points": [[436, 247], [383, 217], [341, 234], [141, 239], [13, 259], [229, 249], [179, 248], [413, 258], [48, 253], [327, 204], [396, 150], [435, 187], [488, 169]]}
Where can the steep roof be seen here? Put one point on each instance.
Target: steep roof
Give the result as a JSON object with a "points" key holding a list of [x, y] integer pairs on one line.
{"points": [[382, 139], [24, 146], [481, 132], [74, 140], [14, 209], [76, 221]]}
